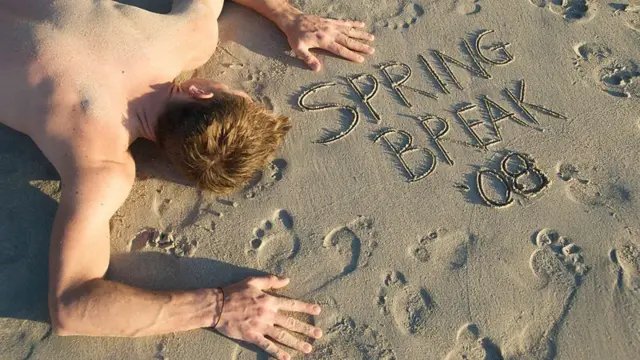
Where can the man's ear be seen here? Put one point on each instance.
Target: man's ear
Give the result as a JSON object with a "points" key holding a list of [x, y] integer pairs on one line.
{"points": [[197, 93]]}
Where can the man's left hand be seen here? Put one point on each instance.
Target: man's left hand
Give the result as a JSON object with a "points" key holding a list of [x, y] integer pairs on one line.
{"points": [[341, 37]]}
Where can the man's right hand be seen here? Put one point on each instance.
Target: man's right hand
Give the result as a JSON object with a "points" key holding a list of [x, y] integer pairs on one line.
{"points": [[249, 314]]}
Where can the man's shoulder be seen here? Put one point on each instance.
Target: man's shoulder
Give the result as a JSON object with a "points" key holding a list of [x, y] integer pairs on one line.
{"points": [[87, 144]]}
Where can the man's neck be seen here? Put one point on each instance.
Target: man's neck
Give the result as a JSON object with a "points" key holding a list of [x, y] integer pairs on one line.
{"points": [[147, 108]]}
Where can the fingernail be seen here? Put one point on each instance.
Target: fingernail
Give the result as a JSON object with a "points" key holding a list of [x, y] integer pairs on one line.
{"points": [[317, 309], [372, 50], [317, 333], [307, 348]]}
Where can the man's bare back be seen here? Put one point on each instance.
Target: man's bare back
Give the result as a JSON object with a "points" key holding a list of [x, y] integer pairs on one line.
{"points": [[91, 63], [84, 79]]}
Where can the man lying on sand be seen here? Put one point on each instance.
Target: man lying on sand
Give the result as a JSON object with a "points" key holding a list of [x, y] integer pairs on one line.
{"points": [[84, 79]]}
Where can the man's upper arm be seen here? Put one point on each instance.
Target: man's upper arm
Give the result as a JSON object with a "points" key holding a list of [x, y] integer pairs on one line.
{"points": [[80, 243]]}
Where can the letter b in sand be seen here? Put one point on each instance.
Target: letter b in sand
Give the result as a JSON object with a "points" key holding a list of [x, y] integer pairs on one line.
{"points": [[400, 143]]}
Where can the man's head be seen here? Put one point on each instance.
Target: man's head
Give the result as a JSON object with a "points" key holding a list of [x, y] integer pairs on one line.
{"points": [[218, 138]]}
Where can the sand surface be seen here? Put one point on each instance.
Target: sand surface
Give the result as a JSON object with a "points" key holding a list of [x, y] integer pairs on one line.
{"points": [[486, 207]]}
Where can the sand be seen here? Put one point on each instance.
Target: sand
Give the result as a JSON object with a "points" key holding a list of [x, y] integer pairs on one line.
{"points": [[496, 217]]}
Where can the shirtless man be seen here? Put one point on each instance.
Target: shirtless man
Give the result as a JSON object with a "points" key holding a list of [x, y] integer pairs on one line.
{"points": [[84, 79]]}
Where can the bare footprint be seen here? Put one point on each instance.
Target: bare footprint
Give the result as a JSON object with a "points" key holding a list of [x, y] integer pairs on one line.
{"points": [[345, 339], [447, 249], [344, 250], [276, 171], [409, 306], [254, 85], [571, 10], [630, 13], [153, 239], [558, 267], [627, 258], [351, 244], [583, 186], [468, 7], [470, 346], [579, 189], [274, 243], [615, 76], [409, 14], [626, 296]]}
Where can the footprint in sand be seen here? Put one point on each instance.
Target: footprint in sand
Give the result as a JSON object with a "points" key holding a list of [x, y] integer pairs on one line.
{"points": [[615, 76], [470, 346], [468, 7], [571, 10], [150, 238], [626, 296], [409, 306], [254, 85], [558, 267], [345, 249], [345, 339], [274, 243], [262, 182], [627, 258], [629, 12], [408, 15], [449, 249], [581, 188]]}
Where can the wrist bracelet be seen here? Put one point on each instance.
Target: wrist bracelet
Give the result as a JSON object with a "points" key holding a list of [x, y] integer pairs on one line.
{"points": [[221, 308]]}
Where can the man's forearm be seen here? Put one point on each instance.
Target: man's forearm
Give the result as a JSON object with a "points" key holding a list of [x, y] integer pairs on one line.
{"points": [[279, 12], [106, 308]]}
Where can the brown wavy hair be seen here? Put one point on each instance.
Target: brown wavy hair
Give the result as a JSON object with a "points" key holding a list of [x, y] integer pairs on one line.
{"points": [[220, 143]]}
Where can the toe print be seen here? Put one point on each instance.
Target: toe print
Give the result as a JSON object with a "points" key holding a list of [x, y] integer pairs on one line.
{"points": [[570, 10], [616, 76], [166, 242], [558, 268], [409, 306], [450, 250], [266, 179], [470, 346], [274, 244], [627, 258]]}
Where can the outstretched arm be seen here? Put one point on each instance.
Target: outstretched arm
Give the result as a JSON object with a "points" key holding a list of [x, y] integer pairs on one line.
{"points": [[82, 302], [304, 32]]}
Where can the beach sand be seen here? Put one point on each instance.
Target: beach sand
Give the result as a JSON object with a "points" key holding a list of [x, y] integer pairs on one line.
{"points": [[486, 207]]}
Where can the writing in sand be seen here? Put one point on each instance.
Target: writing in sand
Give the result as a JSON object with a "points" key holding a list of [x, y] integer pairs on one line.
{"points": [[481, 133]]}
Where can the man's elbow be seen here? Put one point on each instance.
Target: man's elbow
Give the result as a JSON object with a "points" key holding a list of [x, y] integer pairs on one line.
{"points": [[62, 322], [64, 314]]}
